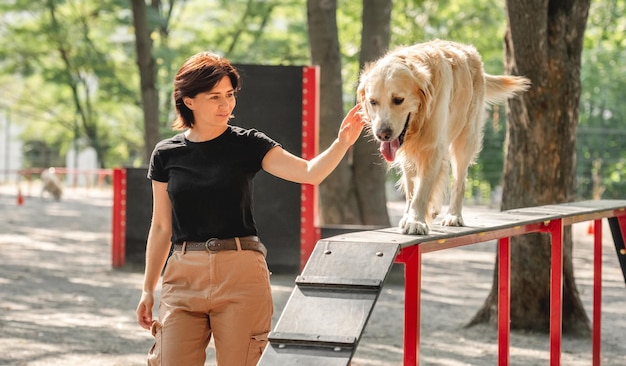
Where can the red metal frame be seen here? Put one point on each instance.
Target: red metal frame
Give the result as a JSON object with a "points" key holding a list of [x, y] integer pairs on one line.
{"points": [[411, 257], [118, 247], [309, 229], [555, 228], [504, 299], [596, 324]]}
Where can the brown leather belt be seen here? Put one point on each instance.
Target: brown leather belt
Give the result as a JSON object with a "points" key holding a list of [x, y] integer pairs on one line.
{"points": [[217, 245]]}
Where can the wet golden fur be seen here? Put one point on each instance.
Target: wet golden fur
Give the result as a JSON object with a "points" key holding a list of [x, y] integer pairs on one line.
{"points": [[439, 90]]}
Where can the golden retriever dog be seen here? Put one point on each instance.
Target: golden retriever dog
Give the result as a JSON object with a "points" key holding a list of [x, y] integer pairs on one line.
{"points": [[426, 105]]}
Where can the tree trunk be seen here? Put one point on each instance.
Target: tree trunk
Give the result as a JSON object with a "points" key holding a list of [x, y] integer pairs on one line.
{"points": [[147, 74], [369, 168], [543, 42], [337, 198]]}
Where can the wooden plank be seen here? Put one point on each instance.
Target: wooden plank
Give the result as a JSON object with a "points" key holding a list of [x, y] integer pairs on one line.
{"points": [[351, 259], [475, 224], [482, 222], [479, 237], [326, 312], [338, 283], [570, 209], [316, 340], [288, 355]]}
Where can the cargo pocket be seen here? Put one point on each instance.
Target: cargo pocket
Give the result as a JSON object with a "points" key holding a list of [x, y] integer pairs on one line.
{"points": [[256, 347], [154, 355]]}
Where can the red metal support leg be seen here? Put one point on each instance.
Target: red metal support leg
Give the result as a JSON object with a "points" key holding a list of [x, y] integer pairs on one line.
{"points": [[118, 245], [596, 326], [504, 301], [412, 259], [555, 228], [309, 228]]}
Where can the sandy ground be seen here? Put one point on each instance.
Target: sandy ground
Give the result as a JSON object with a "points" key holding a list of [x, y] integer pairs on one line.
{"points": [[61, 303]]}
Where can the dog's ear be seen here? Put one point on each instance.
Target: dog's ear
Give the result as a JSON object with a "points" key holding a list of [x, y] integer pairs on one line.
{"points": [[363, 78], [360, 92], [423, 86], [426, 99], [360, 96], [425, 89]]}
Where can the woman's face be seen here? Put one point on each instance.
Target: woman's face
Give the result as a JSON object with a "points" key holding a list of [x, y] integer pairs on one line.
{"points": [[213, 107]]}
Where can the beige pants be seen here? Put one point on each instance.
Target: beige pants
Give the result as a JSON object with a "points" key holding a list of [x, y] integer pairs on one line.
{"points": [[226, 295]]}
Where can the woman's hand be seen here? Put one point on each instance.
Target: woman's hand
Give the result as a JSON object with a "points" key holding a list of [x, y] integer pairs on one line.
{"points": [[144, 310], [285, 165], [351, 127]]}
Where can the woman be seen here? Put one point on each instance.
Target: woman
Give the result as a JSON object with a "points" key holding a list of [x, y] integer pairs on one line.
{"points": [[216, 283]]}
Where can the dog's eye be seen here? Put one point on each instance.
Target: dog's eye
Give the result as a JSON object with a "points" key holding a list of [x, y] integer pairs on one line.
{"points": [[373, 102], [397, 100]]}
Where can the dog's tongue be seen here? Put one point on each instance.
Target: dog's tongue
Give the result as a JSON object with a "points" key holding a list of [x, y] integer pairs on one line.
{"points": [[389, 149]]}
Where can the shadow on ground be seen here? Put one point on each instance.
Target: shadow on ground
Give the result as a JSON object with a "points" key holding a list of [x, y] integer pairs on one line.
{"points": [[62, 304]]}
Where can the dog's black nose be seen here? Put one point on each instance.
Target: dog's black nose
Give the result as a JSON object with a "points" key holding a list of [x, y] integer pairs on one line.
{"points": [[384, 134]]}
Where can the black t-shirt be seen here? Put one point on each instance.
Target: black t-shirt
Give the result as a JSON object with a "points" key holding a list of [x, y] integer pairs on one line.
{"points": [[210, 183]]}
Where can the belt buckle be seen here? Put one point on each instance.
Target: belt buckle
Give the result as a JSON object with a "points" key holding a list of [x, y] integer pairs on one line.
{"points": [[211, 245]]}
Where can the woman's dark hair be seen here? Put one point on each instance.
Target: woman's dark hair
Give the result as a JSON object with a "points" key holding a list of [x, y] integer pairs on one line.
{"points": [[200, 73]]}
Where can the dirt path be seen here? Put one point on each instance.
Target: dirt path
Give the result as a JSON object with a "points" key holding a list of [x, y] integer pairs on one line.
{"points": [[62, 304]]}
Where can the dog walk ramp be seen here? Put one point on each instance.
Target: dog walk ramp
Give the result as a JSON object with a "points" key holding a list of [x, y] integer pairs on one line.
{"points": [[331, 303]]}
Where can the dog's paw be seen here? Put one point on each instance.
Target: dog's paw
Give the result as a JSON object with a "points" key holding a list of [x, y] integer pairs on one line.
{"points": [[413, 227], [452, 220]]}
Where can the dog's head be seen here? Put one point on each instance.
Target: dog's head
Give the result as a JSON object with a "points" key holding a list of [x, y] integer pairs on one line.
{"points": [[393, 92]]}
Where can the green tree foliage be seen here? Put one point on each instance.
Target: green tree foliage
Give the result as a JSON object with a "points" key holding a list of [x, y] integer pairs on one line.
{"points": [[46, 94], [267, 32], [71, 86], [73, 77], [601, 152]]}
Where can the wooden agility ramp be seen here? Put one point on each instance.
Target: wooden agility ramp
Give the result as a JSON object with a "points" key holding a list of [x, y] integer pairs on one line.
{"points": [[326, 314], [324, 318]]}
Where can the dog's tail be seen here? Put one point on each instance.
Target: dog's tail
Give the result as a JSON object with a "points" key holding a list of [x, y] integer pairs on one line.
{"points": [[501, 87]]}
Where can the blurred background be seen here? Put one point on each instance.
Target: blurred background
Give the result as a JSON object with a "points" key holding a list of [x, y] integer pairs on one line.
{"points": [[87, 84]]}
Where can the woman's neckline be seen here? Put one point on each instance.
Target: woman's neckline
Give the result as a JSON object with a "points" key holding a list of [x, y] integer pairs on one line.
{"points": [[205, 140]]}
